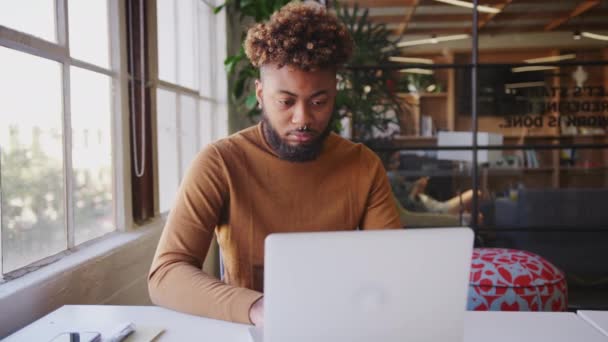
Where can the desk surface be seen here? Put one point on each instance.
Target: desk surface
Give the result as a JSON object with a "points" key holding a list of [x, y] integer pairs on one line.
{"points": [[479, 325], [598, 319]]}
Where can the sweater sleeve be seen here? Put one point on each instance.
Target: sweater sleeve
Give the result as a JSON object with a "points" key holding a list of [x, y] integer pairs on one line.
{"points": [[380, 208], [176, 280]]}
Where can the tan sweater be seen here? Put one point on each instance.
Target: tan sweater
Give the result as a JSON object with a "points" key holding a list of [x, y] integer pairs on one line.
{"points": [[242, 190]]}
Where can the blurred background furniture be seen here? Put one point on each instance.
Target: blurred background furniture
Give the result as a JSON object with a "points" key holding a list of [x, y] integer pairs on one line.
{"points": [[566, 226], [512, 280]]}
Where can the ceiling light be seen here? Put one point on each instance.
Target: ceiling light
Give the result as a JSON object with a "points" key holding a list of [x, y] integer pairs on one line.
{"points": [[532, 68], [594, 36], [433, 40], [551, 58], [576, 35], [411, 60], [417, 71], [480, 8]]}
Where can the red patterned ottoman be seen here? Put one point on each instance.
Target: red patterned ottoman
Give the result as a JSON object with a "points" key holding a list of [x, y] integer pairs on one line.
{"points": [[514, 280]]}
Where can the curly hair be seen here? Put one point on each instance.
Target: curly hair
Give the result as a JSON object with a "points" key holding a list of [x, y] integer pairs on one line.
{"points": [[303, 35]]}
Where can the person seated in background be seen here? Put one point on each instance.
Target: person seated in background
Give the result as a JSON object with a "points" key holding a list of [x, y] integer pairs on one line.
{"points": [[411, 194]]}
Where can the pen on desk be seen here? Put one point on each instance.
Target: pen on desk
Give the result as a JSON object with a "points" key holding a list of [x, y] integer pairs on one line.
{"points": [[121, 333]]}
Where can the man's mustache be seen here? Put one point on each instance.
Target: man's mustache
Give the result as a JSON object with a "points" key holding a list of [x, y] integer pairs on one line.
{"points": [[304, 129]]}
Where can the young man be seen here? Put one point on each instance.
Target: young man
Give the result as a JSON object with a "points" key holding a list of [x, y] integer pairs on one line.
{"points": [[287, 174]]}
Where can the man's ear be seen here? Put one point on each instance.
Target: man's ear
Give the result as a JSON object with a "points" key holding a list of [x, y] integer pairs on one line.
{"points": [[258, 91]]}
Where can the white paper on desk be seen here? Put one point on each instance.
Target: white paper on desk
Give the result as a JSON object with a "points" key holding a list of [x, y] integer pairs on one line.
{"points": [[144, 333]]}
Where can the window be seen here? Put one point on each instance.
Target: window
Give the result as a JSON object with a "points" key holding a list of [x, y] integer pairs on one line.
{"points": [[534, 89], [60, 86], [34, 17], [191, 95]]}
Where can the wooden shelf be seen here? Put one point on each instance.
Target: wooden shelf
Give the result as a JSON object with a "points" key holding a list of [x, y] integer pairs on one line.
{"points": [[414, 138], [414, 141], [499, 170], [582, 169], [553, 136], [433, 139]]}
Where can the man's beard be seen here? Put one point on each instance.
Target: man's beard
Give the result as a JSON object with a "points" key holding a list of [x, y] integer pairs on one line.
{"points": [[299, 153]]}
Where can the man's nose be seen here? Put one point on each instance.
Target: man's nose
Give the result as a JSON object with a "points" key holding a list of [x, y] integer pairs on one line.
{"points": [[300, 115]]}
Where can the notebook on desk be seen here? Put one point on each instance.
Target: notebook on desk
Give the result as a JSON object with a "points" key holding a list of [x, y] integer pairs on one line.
{"points": [[363, 286]]}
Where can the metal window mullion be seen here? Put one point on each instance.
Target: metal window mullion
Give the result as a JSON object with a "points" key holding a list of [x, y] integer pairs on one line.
{"points": [[92, 67], [176, 39], [179, 89], [178, 105], [474, 99], [197, 71], [197, 48], [178, 126], [63, 38], [67, 139], [30, 44], [213, 78], [152, 84], [120, 140]]}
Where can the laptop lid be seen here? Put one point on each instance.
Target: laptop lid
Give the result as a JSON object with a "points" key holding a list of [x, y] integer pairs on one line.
{"points": [[355, 286]]}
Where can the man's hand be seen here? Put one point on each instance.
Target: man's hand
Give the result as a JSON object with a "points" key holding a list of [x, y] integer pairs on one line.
{"points": [[256, 313]]}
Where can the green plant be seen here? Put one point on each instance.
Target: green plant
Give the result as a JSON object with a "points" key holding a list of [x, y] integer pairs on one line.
{"points": [[238, 67], [365, 92]]}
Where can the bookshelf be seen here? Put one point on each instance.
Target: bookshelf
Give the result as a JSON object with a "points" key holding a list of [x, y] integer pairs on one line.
{"points": [[437, 106], [548, 172], [540, 168]]}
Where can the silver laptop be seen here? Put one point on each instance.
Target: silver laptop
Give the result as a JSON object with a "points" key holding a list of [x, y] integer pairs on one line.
{"points": [[366, 286]]}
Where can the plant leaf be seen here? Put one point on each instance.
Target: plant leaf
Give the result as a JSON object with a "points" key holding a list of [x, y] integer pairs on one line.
{"points": [[251, 101], [217, 9]]}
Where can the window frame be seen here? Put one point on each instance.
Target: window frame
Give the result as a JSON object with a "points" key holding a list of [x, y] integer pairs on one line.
{"points": [[60, 53], [218, 94]]}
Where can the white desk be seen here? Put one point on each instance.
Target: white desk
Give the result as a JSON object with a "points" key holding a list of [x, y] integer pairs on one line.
{"points": [[598, 319], [499, 326], [105, 318], [479, 326]]}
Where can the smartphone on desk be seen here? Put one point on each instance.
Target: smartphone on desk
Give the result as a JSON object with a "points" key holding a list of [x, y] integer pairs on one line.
{"points": [[76, 336]]}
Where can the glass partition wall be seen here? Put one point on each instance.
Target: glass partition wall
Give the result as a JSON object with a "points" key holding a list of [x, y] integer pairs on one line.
{"points": [[502, 127]]}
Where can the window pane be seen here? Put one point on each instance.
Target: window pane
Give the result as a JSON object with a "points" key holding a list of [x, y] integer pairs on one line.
{"points": [[552, 202], [36, 17], [189, 124], [168, 176], [187, 53], [91, 154], [89, 31], [166, 40], [31, 167], [206, 123]]}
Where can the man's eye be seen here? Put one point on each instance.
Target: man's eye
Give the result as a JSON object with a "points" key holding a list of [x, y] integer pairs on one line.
{"points": [[285, 102], [319, 102]]}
